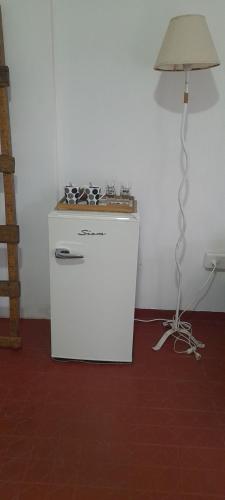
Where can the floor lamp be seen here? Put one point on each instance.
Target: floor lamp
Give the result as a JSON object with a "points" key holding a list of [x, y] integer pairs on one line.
{"points": [[187, 46]]}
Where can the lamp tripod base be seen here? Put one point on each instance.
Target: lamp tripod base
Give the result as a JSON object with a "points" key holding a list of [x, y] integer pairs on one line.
{"points": [[182, 333]]}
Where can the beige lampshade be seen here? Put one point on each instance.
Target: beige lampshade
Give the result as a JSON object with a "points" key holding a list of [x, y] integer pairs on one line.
{"points": [[187, 42]]}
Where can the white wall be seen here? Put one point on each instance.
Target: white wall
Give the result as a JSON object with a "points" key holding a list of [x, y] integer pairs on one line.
{"points": [[28, 49], [118, 120]]}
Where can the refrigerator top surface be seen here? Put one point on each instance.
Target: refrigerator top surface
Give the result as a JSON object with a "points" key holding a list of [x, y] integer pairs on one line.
{"points": [[129, 217]]}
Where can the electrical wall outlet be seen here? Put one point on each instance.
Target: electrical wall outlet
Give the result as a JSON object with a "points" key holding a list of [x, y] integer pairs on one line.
{"points": [[212, 257]]}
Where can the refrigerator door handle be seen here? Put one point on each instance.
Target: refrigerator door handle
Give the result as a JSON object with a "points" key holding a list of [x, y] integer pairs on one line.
{"points": [[64, 253]]}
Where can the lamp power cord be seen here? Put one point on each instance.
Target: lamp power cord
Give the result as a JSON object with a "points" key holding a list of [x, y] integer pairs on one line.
{"points": [[179, 329]]}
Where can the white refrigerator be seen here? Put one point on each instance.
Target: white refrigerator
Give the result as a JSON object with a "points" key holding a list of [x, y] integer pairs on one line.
{"points": [[93, 266]]}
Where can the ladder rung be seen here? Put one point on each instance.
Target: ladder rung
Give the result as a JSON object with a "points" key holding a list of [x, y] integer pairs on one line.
{"points": [[9, 289], [7, 164], [4, 76], [14, 342], [9, 234]]}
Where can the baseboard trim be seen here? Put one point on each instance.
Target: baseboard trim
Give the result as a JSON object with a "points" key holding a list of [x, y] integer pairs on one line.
{"points": [[142, 314], [188, 316]]}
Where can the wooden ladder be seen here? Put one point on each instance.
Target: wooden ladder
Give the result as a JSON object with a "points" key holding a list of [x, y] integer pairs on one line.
{"points": [[9, 233]]}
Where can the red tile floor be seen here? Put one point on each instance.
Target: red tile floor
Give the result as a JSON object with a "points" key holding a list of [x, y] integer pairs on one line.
{"points": [[151, 430]]}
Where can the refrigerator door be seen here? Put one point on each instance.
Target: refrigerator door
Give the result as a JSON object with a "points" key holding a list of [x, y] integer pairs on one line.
{"points": [[93, 263]]}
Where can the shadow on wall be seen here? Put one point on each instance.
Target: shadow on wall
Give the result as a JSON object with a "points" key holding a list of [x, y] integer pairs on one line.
{"points": [[202, 89], [169, 96]]}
